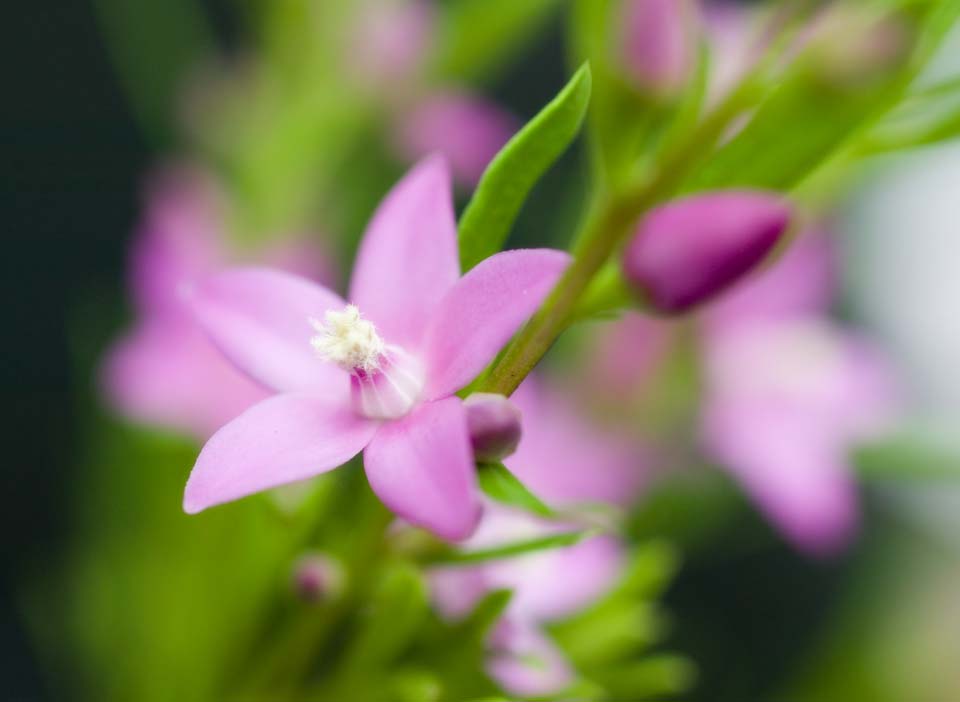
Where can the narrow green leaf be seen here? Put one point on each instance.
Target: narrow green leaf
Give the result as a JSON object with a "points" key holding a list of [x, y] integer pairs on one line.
{"points": [[519, 548], [797, 129], [501, 485], [485, 615], [514, 171], [940, 18]]}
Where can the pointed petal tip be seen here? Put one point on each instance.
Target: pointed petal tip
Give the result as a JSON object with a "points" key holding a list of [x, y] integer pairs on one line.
{"points": [[434, 161], [190, 504]]}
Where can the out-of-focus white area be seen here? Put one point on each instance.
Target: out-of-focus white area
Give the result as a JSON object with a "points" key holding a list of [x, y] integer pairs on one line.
{"points": [[900, 237], [901, 244]]}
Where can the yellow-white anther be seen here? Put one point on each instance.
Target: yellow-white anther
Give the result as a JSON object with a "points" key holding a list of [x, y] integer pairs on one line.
{"points": [[349, 340]]}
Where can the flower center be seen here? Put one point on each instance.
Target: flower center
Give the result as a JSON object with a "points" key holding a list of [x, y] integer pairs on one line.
{"points": [[349, 340], [385, 381]]}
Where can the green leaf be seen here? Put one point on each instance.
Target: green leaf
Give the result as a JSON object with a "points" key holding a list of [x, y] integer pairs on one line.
{"points": [[501, 485], [940, 18], [484, 616], [392, 618], [518, 548], [514, 171], [800, 126]]}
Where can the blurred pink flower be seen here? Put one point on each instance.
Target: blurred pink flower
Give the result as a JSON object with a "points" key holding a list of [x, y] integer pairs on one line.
{"points": [[379, 374], [786, 392], [390, 43], [549, 585], [801, 282], [625, 357], [658, 43], [785, 401], [468, 129], [566, 460], [165, 371], [567, 463], [734, 45], [389, 52]]}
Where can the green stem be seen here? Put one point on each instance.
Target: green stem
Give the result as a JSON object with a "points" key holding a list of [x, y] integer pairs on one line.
{"points": [[603, 233]]}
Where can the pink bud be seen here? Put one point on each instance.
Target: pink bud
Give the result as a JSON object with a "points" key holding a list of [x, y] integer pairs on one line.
{"points": [[687, 251], [494, 425], [317, 577], [657, 43]]}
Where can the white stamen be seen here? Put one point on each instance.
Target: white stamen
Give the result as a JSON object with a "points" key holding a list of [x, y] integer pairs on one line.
{"points": [[349, 340]]}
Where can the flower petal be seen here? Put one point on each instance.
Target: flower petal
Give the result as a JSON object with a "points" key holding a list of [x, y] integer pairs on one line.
{"points": [[567, 460], [179, 239], [408, 257], [794, 469], [422, 469], [559, 582], [548, 584], [166, 372], [482, 311], [466, 128], [281, 440], [260, 319], [526, 661]]}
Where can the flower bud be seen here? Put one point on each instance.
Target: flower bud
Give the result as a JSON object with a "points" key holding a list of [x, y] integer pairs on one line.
{"points": [[853, 45], [657, 44], [687, 251], [317, 577], [494, 425]]}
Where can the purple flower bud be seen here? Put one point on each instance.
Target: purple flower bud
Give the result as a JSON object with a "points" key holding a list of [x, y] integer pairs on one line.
{"points": [[317, 577], [494, 425], [657, 43], [687, 251]]}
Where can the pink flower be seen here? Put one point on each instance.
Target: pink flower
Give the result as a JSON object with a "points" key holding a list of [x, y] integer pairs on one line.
{"points": [[565, 459], [165, 371], [547, 586], [389, 53], [567, 462], [785, 402], [390, 43], [786, 392], [658, 43], [731, 31], [377, 375], [468, 129]]}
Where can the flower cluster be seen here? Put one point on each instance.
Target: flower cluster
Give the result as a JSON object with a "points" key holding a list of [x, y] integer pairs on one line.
{"points": [[698, 297]]}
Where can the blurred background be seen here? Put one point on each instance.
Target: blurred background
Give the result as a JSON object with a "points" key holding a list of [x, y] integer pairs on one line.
{"points": [[105, 93]]}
